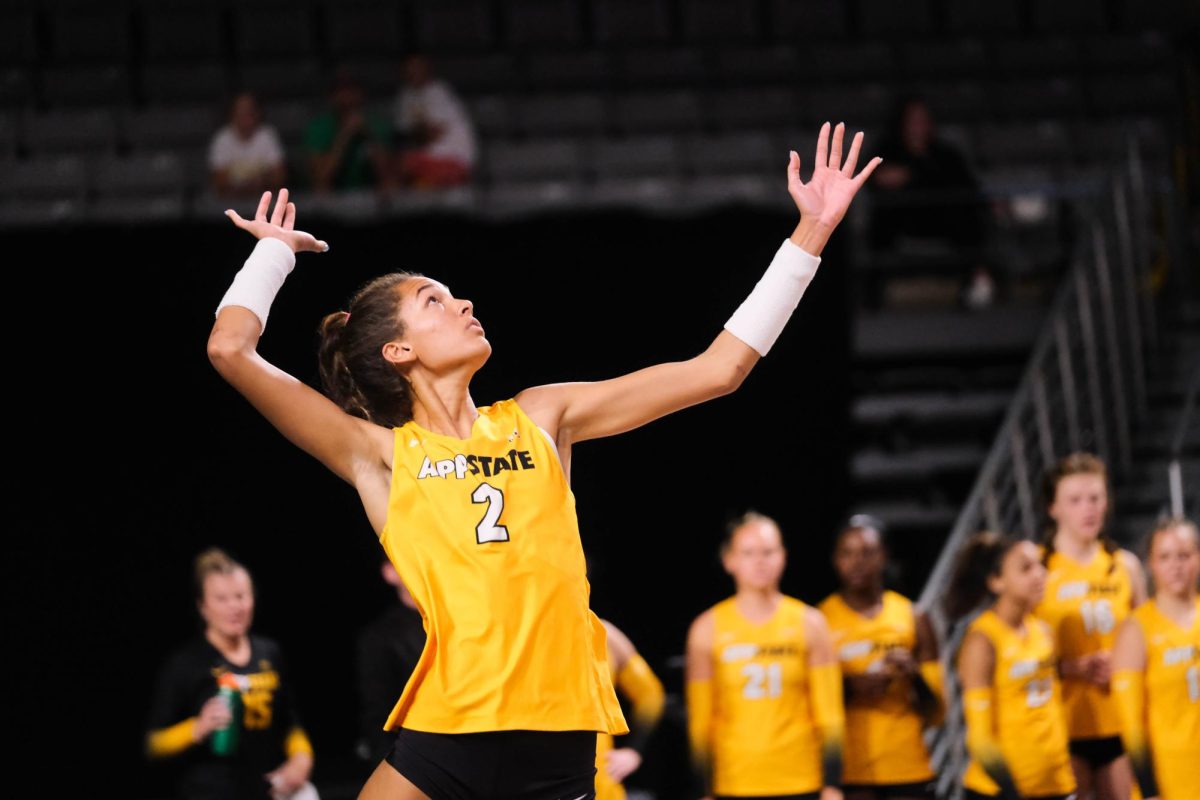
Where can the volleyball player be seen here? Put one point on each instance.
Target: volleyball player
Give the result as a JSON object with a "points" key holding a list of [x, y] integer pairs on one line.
{"points": [[473, 505]]}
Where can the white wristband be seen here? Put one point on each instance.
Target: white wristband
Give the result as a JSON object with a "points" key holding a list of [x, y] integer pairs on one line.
{"points": [[760, 318], [259, 279]]}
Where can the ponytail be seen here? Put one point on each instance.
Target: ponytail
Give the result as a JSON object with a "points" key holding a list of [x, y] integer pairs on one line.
{"points": [[979, 560], [354, 373]]}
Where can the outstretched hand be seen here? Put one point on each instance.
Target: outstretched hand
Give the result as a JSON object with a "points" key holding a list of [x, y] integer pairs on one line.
{"points": [[827, 195], [280, 226]]}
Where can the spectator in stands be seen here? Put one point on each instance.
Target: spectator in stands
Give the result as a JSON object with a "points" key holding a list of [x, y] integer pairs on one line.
{"points": [[348, 146], [262, 751], [439, 138], [245, 157], [926, 192], [388, 650]]}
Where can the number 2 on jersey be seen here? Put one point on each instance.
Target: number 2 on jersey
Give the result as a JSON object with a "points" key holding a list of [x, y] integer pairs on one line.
{"points": [[487, 530]]}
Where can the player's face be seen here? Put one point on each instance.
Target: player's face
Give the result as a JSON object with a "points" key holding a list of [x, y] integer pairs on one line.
{"points": [[228, 604], [1080, 503], [756, 556], [1022, 576], [440, 329], [1175, 560], [858, 558]]}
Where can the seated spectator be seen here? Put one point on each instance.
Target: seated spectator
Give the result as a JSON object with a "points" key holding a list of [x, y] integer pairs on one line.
{"points": [[348, 146], [439, 138], [926, 192], [245, 157]]}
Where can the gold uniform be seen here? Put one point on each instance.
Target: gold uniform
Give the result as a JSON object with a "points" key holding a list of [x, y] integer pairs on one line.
{"points": [[1161, 707], [1017, 724], [765, 740], [1084, 604], [637, 682], [483, 533], [884, 744]]}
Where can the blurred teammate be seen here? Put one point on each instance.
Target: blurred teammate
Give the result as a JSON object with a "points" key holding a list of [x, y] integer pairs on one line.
{"points": [[272, 757], [764, 693], [1012, 698], [1091, 587], [1156, 670], [890, 672], [633, 678]]}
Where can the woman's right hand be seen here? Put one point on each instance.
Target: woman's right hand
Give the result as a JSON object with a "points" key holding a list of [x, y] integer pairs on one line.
{"points": [[214, 715], [281, 226]]}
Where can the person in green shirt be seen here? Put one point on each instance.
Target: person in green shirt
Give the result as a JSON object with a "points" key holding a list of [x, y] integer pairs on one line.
{"points": [[348, 146]]}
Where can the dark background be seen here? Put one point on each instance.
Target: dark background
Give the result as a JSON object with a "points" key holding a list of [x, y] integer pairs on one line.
{"points": [[140, 456]]}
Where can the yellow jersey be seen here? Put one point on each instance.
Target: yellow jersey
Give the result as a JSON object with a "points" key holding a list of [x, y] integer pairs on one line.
{"points": [[483, 533], [1084, 604], [1172, 686], [606, 787], [764, 739], [1027, 710], [884, 741]]}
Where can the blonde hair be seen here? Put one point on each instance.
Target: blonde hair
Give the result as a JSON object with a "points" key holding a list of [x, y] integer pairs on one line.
{"points": [[1170, 523], [737, 523], [214, 561]]}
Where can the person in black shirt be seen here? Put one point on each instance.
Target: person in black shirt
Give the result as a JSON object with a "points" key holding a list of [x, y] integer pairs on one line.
{"points": [[388, 650], [272, 757], [925, 192]]}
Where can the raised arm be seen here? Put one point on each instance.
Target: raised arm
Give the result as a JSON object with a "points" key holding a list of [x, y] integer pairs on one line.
{"points": [[345, 444], [575, 412]]}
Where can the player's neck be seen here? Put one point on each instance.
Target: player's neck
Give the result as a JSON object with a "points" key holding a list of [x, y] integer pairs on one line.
{"points": [[1075, 548], [863, 599], [235, 649], [1181, 609], [1011, 612], [758, 605], [443, 404]]}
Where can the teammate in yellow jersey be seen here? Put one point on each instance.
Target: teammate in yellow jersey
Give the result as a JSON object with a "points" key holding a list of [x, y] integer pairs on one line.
{"points": [[764, 694], [1156, 670], [473, 504], [633, 678], [1012, 697], [1091, 587], [890, 672]]}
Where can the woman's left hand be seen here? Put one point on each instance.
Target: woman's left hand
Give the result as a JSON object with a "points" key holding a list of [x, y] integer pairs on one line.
{"points": [[827, 195], [622, 762], [290, 776]]}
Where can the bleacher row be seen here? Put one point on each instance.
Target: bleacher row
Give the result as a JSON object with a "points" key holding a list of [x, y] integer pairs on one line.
{"points": [[72, 30], [660, 101]]}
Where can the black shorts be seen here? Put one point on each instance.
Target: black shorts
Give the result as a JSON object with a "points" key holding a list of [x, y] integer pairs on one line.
{"points": [[893, 791], [805, 796], [970, 795], [512, 765], [1097, 752]]}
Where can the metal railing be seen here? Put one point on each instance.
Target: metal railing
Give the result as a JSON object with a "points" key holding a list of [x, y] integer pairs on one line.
{"points": [[1084, 388], [1175, 468]]}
